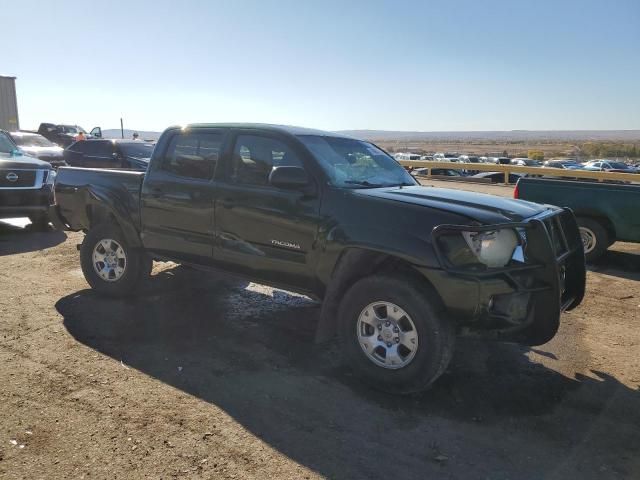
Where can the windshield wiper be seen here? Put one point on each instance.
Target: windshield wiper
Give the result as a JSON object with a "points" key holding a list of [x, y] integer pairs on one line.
{"points": [[364, 183], [404, 184]]}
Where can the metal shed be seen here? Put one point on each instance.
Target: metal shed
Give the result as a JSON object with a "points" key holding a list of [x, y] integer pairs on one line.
{"points": [[8, 104]]}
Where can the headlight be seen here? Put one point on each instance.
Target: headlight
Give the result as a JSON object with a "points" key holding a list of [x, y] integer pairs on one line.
{"points": [[495, 248], [479, 250], [51, 177]]}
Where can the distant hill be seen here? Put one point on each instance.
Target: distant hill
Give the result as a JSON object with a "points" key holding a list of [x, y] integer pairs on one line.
{"points": [[479, 136], [115, 133], [499, 136]]}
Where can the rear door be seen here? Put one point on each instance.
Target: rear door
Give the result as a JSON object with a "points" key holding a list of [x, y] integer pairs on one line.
{"points": [[177, 198], [263, 231]]}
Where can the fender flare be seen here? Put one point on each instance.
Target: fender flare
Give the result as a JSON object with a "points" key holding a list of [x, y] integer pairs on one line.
{"points": [[105, 200]]}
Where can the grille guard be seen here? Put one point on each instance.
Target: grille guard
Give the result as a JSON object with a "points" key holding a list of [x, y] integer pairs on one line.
{"points": [[554, 259]]}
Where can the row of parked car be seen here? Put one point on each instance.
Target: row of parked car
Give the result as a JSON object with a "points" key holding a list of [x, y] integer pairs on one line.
{"points": [[600, 165], [93, 152]]}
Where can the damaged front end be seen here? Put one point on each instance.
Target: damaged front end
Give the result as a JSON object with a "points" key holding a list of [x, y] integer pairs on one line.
{"points": [[511, 281]]}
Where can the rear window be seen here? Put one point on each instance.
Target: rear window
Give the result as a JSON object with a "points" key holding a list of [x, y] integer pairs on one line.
{"points": [[193, 155]]}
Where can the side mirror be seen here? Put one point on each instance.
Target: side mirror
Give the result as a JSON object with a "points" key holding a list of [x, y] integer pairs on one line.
{"points": [[290, 178]]}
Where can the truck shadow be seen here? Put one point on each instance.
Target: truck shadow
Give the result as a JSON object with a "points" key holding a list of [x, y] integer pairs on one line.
{"points": [[249, 350], [618, 264], [14, 239]]}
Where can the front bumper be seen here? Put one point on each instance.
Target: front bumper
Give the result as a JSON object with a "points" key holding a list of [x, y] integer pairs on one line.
{"points": [[521, 302], [25, 202]]}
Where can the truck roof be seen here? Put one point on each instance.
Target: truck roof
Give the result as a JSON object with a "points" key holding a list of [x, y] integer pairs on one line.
{"points": [[292, 130]]}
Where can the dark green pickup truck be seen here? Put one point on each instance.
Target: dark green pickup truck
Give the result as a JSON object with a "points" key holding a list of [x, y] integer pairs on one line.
{"points": [[606, 212], [400, 268]]}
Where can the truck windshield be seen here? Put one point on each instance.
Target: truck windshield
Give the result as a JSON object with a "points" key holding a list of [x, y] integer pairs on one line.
{"points": [[32, 141], [355, 164]]}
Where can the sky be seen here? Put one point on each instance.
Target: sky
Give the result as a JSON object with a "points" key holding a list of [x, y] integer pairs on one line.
{"points": [[459, 65]]}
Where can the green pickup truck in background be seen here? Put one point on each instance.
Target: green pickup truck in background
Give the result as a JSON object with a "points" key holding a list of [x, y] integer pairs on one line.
{"points": [[606, 212]]}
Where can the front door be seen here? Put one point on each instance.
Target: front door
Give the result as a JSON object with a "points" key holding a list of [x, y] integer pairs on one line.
{"points": [[178, 196], [263, 231]]}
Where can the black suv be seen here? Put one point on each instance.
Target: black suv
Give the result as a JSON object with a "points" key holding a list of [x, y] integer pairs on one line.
{"points": [[133, 154]]}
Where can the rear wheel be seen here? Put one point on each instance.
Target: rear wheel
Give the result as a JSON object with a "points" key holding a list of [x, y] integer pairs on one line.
{"points": [[394, 335], [595, 238], [110, 265]]}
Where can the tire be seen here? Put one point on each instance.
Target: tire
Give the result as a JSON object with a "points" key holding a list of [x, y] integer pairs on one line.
{"points": [[39, 222], [594, 238], [129, 266], [424, 312]]}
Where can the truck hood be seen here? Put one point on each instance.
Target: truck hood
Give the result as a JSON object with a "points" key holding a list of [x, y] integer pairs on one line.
{"points": [[21, 161], [487, 209]]}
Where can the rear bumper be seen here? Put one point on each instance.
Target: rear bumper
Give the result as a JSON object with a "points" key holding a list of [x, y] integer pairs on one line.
{"points": [[521, 302], [56, 218]]}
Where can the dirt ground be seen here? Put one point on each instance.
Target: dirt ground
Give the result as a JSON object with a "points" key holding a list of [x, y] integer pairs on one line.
{"points": [[203, 377]]}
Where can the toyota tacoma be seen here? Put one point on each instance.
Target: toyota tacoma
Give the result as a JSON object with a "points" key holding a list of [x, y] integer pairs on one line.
{"points": [[401, 269]]}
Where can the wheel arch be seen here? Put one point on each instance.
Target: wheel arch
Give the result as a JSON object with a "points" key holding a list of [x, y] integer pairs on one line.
{"points": [[354, 264], [100, 207]]}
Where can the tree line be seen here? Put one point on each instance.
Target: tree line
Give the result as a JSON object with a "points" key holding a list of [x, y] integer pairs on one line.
{"points": [[609, 149]]}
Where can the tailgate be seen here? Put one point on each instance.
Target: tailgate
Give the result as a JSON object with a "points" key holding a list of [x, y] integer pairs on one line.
{"points": [[79, 191]]}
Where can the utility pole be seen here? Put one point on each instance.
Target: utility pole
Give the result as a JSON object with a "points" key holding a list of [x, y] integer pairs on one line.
{"points": [[121, 128]]}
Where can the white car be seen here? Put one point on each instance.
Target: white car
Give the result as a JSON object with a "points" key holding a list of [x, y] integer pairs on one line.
{"points": [[407, 156], [445, 157]]}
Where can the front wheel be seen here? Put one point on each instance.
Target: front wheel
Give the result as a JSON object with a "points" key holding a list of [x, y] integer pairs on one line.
{"points": [[109, 264], [394, 334]]}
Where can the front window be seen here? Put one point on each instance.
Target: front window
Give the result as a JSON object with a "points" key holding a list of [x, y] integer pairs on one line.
{"points": [[137, 150], [254, 157], [352, 163], [6, 145], [32, 141]]}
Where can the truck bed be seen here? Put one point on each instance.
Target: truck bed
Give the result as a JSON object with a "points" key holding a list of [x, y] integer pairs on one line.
{"points": [[617, 203], [79, 190]]}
